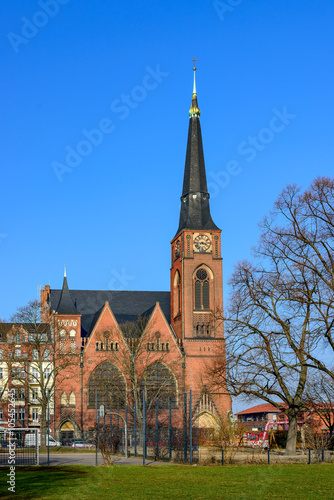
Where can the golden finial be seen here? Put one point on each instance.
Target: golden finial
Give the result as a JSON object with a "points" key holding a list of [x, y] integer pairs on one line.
{"points": [[194, 111], [194, 68]]}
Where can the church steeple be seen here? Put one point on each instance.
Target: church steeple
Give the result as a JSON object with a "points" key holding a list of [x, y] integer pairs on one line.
{"points": [[195, 208]]}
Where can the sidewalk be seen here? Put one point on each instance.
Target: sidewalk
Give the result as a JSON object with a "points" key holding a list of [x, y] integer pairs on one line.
{"points": [[89, 459]]}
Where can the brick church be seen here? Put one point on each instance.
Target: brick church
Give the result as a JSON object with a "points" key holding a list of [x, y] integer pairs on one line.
{"points": [[123, 342]]}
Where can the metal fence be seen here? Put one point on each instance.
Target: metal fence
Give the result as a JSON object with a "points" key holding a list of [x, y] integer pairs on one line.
{"points": [[19, 446], [170, 430], [160, 430], [245, 455]]}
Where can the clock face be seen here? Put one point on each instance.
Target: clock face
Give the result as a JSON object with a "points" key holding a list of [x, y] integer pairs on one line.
{"points": [[177, 249], [202, 243]]}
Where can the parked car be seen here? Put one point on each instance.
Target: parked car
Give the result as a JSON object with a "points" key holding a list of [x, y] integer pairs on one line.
{"points": [[30, 440], [80, 443], [19, 443]]}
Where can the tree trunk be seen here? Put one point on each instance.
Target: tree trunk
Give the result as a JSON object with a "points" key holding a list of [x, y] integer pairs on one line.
{"points": [[292, 434], [43, 426]]}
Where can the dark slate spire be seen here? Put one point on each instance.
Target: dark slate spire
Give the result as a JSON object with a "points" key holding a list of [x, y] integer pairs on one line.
{"points": [[66, 304], [195, 208]]}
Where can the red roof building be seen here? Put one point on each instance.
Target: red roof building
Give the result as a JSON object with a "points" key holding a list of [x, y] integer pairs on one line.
{"points": [[256, 417]]}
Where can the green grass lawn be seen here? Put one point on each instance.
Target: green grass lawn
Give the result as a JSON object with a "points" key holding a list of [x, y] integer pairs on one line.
{"points": [[172, 482]]}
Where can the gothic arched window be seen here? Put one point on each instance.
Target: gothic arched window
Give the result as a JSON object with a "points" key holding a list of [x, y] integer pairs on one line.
{"points": [[177, 293], [159, 383], [63, 399], [72, 399], [202, 290], [109, 383]]}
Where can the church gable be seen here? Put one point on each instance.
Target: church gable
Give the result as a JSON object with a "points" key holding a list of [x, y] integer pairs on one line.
{"points": [[106, 334], [158, 334], [205, 405], [159, 344]]}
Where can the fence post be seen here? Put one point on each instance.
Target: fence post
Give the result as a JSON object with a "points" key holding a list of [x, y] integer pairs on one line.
{"points": [[223, 457], [170, 429], [268, 455], [323, 455], [110, 418], [97, 435], [156, 429], [126, 425], [135, 426], [144, 428], [185, 426], [309, 456], [75, 448], [49, 427], [37, 446], [190, 428]]}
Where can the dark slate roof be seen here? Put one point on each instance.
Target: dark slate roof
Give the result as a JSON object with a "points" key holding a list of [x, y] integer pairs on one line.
{"points": [[66, 304], [194, 180], [195, 207], [125, 305]]}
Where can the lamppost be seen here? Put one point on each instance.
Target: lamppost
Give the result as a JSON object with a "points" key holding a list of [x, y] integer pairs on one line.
{"points": [[81, 390]]}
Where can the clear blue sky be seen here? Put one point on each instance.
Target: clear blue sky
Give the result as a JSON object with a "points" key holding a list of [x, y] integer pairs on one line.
{"points": [[111, 218]]}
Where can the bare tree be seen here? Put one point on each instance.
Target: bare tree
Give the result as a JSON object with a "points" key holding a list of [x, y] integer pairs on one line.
{"points": [[266, 338], [230, 436], [39, 363], [302, 223], [319, 399], [281, 312]]}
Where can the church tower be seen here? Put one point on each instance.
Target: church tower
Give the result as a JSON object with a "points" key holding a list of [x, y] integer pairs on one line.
{"points": [[196, 272], [197, 283]]}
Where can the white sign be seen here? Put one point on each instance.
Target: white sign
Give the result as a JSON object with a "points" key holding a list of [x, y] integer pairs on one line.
{"points": [[102, 411]]}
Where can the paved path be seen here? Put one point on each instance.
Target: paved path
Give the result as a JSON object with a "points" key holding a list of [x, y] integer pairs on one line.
{"points": [[89, 459]]}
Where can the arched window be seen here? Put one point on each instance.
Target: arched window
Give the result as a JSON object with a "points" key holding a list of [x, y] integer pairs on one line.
{"points": [[202, 290], [109, 382], [72, 341], [72, 399], [198, 293], [62, 335], [177, 293], [106, 336], [159, 383], [63, 399]]}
